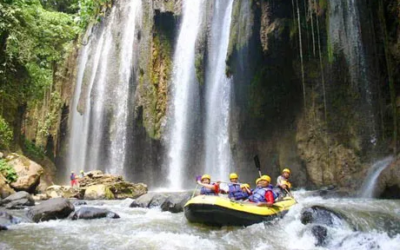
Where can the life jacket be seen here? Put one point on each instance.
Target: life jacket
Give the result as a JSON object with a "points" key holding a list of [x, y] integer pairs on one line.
{"points": [[207, 191], [234, 189], [241, 195], [259, 194], [72, 177]]}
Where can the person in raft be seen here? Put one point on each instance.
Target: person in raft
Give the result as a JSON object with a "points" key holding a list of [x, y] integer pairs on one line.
{"points": [[73, 179], [263, 194], [246, 192], [284, 178], [234, 192], [208, 188]]}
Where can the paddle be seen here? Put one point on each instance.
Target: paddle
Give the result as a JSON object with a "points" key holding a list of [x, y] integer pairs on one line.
{"points": [[257, 163]]}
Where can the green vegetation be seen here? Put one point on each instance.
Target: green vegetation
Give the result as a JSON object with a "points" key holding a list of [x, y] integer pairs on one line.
{"points": [[33, 151], [8, 171], [36, 38], [6, 134]]}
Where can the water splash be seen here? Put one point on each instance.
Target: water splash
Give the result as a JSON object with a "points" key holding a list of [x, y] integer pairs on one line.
{"points": [[218, 90], [368, 187], [182, 79]]}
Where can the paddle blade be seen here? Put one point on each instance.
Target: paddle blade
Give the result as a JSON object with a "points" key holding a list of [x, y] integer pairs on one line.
{"points": [[198, 178], [257, 162]]}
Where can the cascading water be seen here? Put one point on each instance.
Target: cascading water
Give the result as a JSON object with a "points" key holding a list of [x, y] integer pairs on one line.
{"points": [[98, 137], [345, 35], [118, 142], [76, 155], [80, 122], [368, 187], [218, 94], [182, 80]]}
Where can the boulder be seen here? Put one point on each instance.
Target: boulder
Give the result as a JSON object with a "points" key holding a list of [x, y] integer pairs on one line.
{"points": [[28, 172], [388, 183], [18, 200], [5, 189], [320, 215], [320, 233], [3, 228], [98, 192], [88, 213], [20, 204], [150, 200], [56, 191], [116, 184], [175, 202], [58, 208], [7, 219]]}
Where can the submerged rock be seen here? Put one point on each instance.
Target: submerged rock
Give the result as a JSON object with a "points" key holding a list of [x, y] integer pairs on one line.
{"points": [[58, 208], [320, 233], [88, 213], [319, 215], [98, 192], [18, 200], [7, 219], [3, 228], [175, 203], [28, 172], [80, 203]]}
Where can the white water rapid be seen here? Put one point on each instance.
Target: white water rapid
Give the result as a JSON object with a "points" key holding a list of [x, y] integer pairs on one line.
{"points": [[140, 228], [182, 79], [368, 187], [218, 94]]}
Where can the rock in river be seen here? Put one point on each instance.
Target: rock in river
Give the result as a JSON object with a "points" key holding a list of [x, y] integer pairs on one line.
{"points": [[88, 213], [319, 215], [18, 200], [58, 208]]}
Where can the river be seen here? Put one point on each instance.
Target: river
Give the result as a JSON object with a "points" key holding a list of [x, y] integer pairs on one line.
{"points": [[140, 228]]}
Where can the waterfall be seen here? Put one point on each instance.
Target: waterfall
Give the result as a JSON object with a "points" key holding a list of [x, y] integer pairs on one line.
{"points": [[118, 142], [183, 79], [76, 156], [218, 93], [98, 132], [368, 187], [344, 30]]}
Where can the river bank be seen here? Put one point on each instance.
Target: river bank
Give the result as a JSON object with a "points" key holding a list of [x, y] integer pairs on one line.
{"points": [[142, 228]]}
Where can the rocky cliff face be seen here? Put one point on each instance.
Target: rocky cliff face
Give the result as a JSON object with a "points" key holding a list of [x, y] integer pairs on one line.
{"points": [[314, 89]]}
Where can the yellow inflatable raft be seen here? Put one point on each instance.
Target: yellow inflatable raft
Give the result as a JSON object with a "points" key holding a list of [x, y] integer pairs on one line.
{"points": [[220, 211]]}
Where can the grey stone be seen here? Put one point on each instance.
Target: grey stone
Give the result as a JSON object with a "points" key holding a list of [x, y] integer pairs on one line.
{"points": [[58, 208], [319, 215], [320, 233], [175, 202], [20, 198], [88, 213]]}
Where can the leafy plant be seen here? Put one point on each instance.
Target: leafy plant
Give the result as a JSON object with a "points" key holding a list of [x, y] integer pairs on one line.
{"points": [[8, 171], [33, 151], [6, 134]]}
